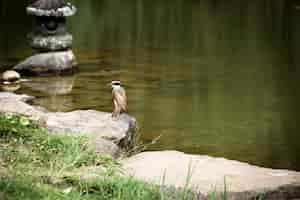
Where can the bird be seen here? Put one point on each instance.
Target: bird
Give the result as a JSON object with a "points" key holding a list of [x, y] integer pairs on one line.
{"points": [[119, 99]]}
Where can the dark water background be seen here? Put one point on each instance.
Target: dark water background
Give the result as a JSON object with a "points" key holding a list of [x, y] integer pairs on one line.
{"points": [[210, 76]]}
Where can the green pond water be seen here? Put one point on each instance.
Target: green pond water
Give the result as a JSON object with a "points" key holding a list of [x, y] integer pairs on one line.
{"points": [[210, 77]]}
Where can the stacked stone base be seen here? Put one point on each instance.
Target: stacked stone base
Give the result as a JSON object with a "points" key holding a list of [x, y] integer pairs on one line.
{"points": [[50, 38], [48, 63], [50, 43]]}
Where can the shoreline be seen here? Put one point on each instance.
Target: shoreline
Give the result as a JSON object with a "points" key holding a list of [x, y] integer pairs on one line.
{"points": [[177, 169]]}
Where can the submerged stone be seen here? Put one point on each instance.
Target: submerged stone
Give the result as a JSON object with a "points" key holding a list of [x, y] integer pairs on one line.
{"points": [[11, 87], [52, 86]]}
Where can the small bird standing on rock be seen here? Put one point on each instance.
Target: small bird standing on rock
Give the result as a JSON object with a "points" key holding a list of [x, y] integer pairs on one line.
{"points": [[119, 99]]}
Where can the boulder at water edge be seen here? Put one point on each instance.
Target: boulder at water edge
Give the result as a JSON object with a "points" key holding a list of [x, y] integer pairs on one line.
{"points": [[48, 63], [207, 174], [105, 135]]}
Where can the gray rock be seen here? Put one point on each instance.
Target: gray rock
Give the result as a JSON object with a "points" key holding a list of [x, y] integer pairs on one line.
{"points": [[10, 105], [105, 135], [91, 173], [16, 97], [94, 124], [207, 174], [45, 63], [102, 146], [50, 42], [65, 11]]}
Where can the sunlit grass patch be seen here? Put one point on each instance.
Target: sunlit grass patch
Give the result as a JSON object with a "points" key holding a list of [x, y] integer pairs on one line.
{"points": [[27, 189], [25, 142]]}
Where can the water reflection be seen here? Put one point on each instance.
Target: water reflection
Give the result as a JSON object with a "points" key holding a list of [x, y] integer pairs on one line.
{"points": [[52, 91], [51, 85], [211, 77], [10, 87]]}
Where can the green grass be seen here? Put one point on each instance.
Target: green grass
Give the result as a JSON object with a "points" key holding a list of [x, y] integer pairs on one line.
{"points": [[29, 146], [35, 164], [26, 189]]}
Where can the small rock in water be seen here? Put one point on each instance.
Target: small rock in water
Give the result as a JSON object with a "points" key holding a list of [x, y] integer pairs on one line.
{"points": [[10, 88], [10, 76]]}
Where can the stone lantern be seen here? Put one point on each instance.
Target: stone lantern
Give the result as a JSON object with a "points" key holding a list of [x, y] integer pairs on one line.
{"points": [[49, 38]]}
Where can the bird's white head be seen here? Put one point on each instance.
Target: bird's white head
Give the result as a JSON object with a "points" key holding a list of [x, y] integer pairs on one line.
{"points": [[116, 84]]}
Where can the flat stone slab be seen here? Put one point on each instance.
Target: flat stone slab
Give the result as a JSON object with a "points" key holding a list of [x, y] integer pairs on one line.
{"points": [[50, 42], [92, 123], [65, 11], [105, 134], [48, 63], [207, 174], [16, 97]]}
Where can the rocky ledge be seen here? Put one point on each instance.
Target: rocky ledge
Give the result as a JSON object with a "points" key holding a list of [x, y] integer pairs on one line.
{"points": [[208, 174], [106, 136]]}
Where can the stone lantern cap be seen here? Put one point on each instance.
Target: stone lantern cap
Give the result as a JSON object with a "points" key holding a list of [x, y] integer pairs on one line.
{"points": [[65, 11]]}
